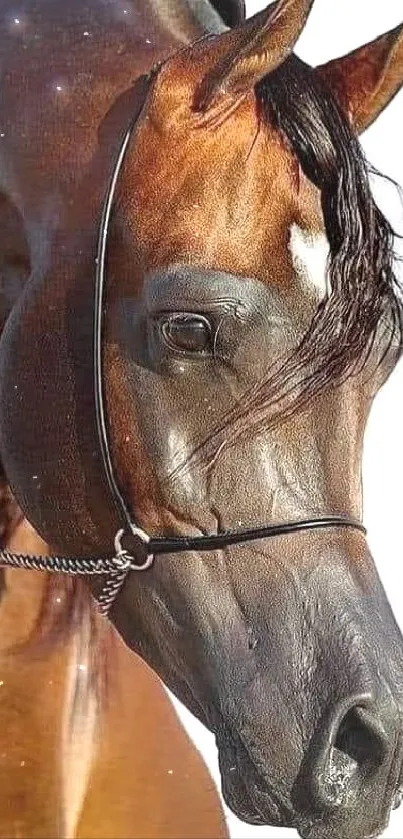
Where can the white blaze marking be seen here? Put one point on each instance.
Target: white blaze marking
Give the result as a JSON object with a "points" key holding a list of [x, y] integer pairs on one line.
{"points": [[309, 255]]}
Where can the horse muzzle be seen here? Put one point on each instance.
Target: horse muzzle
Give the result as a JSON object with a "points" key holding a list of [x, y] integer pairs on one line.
{"points": [[349, 780]]}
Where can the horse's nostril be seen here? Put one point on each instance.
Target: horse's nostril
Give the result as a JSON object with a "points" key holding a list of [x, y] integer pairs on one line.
{"points": [[357, 749], [351, 749], [361, 738], [360, 747]]}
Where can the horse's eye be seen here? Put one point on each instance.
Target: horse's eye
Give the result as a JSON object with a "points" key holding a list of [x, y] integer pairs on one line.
{"points": [[187, 333]]}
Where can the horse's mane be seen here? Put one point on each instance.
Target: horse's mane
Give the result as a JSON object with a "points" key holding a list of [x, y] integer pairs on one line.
{"points": [[365, 295], [364, 288]]}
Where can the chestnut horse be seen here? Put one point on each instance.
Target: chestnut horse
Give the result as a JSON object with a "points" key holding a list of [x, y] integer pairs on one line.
{"points": [[90, 743], [238, 384]]}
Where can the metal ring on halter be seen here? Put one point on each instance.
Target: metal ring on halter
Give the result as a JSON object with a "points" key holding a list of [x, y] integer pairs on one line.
{"points": [[122, 554]]}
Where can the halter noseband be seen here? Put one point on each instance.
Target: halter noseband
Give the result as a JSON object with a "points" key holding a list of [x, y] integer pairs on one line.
{"points": [[117, 567]]}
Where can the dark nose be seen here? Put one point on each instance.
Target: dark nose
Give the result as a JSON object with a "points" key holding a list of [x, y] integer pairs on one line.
{"points": [[352, 752]]}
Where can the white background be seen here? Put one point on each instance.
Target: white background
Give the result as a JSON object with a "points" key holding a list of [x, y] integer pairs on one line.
{"points": [[334, 28]]}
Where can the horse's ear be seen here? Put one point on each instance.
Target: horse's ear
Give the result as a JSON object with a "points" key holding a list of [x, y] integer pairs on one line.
{"points": [[251, 51], [367, 79]]}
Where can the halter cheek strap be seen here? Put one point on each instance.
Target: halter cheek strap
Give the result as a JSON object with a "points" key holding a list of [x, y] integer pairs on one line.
{"points": [[146, 548]]}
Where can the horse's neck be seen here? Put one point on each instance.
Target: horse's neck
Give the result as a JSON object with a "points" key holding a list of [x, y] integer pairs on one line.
{"points": [[90, 743], [50, 696]]}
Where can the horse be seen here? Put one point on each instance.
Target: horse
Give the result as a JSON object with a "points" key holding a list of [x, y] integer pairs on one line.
{"points": [[179, 394], [91, 745]]}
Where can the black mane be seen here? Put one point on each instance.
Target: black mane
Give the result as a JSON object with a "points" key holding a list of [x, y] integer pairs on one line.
{"points": [[363, 284]]}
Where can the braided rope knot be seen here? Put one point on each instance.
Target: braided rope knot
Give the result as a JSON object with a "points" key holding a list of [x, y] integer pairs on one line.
{"points": [[115, 568], [84, 566]]}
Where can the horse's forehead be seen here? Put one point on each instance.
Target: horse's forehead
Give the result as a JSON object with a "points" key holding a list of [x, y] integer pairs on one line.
{"points": [[228, 195]]}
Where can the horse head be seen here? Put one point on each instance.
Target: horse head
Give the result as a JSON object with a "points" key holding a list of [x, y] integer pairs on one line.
{"points": [[252, 315]]}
